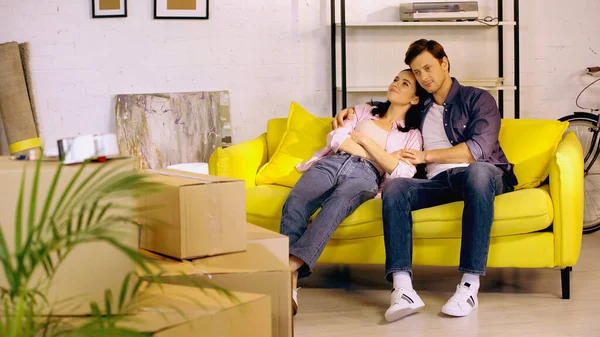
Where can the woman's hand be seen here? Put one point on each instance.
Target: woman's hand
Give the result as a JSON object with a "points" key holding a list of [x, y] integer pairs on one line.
{"points": [[359, 138], [341, 117]]}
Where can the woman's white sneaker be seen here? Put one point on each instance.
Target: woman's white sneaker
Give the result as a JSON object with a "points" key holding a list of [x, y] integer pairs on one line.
{"points": [[403, 303], [463, 302]]}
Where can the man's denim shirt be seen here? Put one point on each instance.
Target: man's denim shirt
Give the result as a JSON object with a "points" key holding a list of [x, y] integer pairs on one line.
{"points": [[472, 116]]}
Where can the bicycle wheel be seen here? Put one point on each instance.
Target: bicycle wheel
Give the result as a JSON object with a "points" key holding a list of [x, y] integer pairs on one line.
{"points": [[583, 124]]}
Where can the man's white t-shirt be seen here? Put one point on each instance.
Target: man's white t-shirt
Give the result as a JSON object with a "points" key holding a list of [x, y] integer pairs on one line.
{"points": [[434, 138]]}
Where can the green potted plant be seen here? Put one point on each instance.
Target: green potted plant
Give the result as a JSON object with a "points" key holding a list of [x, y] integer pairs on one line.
{"points": [[89, 209]]}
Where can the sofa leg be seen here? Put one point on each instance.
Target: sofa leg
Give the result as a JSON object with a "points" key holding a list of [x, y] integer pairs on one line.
{"points": [[565, 278]]}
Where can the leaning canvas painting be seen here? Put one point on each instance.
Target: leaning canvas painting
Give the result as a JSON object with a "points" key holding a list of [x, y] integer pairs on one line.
{"points": [[165, 129]]}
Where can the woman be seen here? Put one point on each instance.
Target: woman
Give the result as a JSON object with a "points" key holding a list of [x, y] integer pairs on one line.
{"points": [[350, 170]]}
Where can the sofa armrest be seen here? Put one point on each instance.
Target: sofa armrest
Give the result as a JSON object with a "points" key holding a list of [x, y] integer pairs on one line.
{"points": [[240, 161], [567, 191]]}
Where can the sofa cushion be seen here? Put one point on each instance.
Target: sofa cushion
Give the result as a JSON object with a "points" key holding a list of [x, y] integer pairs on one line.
{"points": [[304, 135], [276, 128], [225, 162], [529, 144], [518, 212], [264, 204]]}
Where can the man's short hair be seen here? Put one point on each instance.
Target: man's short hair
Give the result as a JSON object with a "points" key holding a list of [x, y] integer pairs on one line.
{"points": [[419, 46]]}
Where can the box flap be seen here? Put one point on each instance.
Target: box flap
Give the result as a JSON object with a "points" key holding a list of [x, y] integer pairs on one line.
{"points": [[254, 232], [168, 266], [182, 178], [208, 177], [257, 258]]}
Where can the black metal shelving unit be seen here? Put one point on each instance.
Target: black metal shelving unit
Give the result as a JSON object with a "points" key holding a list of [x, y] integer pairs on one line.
{"points": [[344, 87]]}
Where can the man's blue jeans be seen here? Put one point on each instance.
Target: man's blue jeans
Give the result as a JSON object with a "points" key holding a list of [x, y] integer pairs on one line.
{"points": [[476, 184], [338, 184]]}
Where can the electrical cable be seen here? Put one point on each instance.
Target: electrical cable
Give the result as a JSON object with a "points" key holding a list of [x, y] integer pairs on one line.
{"points": [[488, 20]]}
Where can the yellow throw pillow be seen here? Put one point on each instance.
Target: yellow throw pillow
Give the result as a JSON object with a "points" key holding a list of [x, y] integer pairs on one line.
{"points": [[226, 162], [530, 144], [305, 134]]}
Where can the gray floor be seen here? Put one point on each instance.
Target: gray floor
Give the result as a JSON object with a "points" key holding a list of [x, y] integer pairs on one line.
{"points": [[350, 301]]}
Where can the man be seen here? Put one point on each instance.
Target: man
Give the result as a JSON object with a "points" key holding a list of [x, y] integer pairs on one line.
{"points": [[463, 160]]}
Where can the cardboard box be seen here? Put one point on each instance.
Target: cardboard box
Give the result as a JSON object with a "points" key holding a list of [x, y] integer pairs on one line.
{"points": [[205, 313], [195, 216], [263, 268], [90, 268]]}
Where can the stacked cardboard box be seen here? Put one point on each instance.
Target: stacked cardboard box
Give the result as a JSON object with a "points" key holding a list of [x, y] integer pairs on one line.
{"points": [[177, 311], [197, 230], [194, 215], [262, 268]]}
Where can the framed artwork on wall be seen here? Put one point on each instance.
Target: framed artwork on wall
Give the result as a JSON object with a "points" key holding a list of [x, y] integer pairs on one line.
{"points": [[181, 9], [109, 8]]}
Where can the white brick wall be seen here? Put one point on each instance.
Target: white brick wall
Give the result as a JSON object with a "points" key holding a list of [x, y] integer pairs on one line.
{"points": [[556, 48], [266, 53]]}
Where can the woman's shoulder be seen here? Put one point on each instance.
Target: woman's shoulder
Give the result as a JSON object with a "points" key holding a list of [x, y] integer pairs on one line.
{"points": [[414, 132], [363, 108]]}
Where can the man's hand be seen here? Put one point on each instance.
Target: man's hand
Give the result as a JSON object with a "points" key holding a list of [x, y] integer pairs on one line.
{"points": [[341, 117], [415, 157], [402, 156]]}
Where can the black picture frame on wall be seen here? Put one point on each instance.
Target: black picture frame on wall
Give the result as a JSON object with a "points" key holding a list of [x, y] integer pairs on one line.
{"points": [[181, 9], [110, 12]]}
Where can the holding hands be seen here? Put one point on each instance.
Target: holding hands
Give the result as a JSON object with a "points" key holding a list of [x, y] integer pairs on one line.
{"points": [[410, 156]]}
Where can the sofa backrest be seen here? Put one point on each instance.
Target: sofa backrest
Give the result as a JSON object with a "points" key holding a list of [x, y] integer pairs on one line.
{"points": [[527, 143]]}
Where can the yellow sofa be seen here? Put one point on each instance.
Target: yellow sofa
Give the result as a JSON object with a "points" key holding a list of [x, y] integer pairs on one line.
{"points": [[534, 226]]}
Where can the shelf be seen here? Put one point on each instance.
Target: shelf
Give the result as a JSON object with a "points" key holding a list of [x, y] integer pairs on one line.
{"points": [[505, 24], [367, 89], [426, 23]]}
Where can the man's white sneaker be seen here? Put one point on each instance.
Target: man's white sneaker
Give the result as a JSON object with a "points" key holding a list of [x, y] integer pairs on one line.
{"points": [[462, 302], [403, 303]]}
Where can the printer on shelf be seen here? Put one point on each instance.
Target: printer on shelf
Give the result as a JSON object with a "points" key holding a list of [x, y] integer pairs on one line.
{"points": [[439, 11]]}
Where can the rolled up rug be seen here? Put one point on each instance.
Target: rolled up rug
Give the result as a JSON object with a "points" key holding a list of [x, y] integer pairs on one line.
{"points": [[15, 108]]}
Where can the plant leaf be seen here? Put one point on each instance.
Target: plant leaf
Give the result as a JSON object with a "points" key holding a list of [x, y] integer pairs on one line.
{"points": [[50, 195], [93, 209], [19, 214], [33, 197], [58, 208], [80, 217], [95, 309], [108, 302], [6, 260], [124, 288], [89, 185], [105, 208], [134, 255], [4, 328]]}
